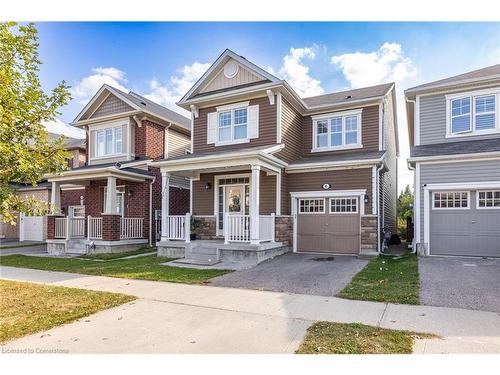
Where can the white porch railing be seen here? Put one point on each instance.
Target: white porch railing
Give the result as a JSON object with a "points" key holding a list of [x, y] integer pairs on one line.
{"points": [[176, 227], [131, 227], [236, 228], [94, 228], [60, 227], [76, 227], [266, 227]]}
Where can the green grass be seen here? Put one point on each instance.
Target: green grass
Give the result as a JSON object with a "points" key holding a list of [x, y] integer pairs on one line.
{"points": [[111, 256], [143, 268], [354, 338], [27, 308], [386, 279]]}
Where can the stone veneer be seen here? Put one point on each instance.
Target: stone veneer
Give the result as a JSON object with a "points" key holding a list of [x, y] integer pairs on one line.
{"points": [[207, 229], [368, 234], [284, 230]]}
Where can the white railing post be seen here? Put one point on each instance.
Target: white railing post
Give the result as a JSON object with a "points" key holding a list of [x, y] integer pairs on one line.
{"points": [[273, 227], [226, 228], [67, 228], [187, 227], [89, 219], [254, 205]]}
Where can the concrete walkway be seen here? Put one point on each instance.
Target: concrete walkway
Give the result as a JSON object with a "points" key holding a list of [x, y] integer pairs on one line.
{"points": [[179, 318]]}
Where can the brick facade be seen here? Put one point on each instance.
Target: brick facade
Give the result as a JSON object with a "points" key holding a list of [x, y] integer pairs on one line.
{"points": [[51, 226], [150, 140], [110, 227], [368, 234], [284, 230], [71, 198]]}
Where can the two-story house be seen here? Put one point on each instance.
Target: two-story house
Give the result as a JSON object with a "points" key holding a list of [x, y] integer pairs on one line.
{"points": [[272, 171], [454, 128], [110, 202]]}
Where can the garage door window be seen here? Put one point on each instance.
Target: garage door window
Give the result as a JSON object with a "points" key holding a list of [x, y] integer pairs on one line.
{"points": [[312, 206], [451, 200], [489, 199], [343, 205]]}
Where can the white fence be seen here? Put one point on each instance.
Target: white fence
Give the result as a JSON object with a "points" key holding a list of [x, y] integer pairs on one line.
{"points": [[94, 228], [76, 227], [176, 227], [60, 227], [266, 227], [131, 227], [236, 228]]}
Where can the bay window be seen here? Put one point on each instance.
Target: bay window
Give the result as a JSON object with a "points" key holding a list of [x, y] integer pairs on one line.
{"points": [[337, 131], [108, 141]]}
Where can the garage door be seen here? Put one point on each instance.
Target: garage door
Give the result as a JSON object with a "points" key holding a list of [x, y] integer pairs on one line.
{"points": [[31, 228], [465, 223], [328, 225]]}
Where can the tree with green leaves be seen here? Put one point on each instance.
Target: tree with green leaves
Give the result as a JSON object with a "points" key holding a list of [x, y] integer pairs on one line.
{"points": [[405, 208], [26, 153]]}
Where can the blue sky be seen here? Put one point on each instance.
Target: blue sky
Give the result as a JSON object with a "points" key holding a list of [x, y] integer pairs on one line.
{"points": [[162, 60]]}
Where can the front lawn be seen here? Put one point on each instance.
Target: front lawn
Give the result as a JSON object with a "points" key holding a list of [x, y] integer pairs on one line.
{"points": [[144, 268], [354, 338], [110, 256], [386, 279], [27, 308]]}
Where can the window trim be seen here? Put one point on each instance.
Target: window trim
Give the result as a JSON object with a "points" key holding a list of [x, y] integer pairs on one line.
{"points": [[486, 208], [232, 108], [356, 199], [472, 95], [120, 190], [329, 117], [113, 141], [312, 199], [433, 207]]}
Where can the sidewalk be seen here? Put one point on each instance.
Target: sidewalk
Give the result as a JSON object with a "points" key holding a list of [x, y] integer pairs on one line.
{"points": [[229, 320]]}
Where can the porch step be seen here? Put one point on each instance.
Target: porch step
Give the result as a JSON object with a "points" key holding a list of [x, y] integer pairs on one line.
{"points": [[203, 256], [197, 262]]}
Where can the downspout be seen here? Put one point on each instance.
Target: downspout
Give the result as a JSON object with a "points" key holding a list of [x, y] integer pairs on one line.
{"points": [[414, 244], [377, 183], [151, 211]]}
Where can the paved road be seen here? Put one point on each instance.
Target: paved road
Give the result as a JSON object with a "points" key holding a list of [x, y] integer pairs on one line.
{"points": [[460, 282], [179, 318], [297, 273]]}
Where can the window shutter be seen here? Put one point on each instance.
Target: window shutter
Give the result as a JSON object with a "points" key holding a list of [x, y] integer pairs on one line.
{"points": [[253, 121], [212, 128]]}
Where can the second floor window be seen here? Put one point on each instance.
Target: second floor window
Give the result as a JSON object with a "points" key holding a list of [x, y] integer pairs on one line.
{"points": [[108, 141], [337, 132], [232, 125], [473, 114]]}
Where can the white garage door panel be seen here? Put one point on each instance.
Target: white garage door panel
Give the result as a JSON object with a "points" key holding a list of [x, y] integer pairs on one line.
{"points": [[32, 228]]}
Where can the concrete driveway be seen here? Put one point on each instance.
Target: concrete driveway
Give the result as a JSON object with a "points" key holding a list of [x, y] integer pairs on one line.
{"points": [[460, 282], [321, 275], [35, 248]]}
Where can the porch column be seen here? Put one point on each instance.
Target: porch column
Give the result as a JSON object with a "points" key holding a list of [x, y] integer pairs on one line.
{"points": [[254, 205], [55, 199], [111, 196], [165, 204]]}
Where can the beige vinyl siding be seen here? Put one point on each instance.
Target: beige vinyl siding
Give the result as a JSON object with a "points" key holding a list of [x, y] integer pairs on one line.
{"points": [[177, 143], [267, 194], [111, 106], [244, 76]]}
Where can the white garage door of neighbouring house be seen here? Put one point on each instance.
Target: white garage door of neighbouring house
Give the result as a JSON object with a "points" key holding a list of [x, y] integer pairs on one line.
{"points": [[31, 228]]}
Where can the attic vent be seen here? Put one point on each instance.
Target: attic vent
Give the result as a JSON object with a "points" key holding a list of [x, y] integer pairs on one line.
{"points": [[143, 103], [348, 97]]}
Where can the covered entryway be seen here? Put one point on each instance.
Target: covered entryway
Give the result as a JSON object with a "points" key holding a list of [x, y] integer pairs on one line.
{"points": [[465, 223], [31, 228], [329, 224]]}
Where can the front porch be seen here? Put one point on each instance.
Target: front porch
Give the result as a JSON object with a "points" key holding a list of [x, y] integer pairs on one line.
{"points": [[112, 214]]}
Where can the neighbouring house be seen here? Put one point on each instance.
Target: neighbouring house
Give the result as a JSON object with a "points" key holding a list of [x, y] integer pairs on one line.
{"points": [[271, 171], [111, 203], [34, 228], [454, 129]]}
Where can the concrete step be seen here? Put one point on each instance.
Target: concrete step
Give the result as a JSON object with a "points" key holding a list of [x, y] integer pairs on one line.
{"points": [[197, 262], [201, 256]]}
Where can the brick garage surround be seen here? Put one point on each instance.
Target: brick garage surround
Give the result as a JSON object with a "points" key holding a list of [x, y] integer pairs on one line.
{"points": [[284, 230], [368, 234]]}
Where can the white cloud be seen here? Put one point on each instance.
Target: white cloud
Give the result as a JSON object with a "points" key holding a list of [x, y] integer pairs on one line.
{"points": [[297, 74], [88, 86], [385, 65], [170, 92], [57, 126]]}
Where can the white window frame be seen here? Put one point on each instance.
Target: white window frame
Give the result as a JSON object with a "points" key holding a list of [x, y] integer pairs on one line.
{"points": [[340, 212], [312, 199], [472, 95], [232, 108], [328, 117], [433, 207], [486, 191], [113, 141]]}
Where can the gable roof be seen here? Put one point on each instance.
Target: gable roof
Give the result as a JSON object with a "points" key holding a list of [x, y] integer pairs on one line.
{"points": [[219, 63], [489, 73], [344, 97], [137, 103]]}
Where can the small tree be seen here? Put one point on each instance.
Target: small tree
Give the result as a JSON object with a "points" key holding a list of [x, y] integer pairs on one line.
{"points": [[405, 209], [26, 153]]}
